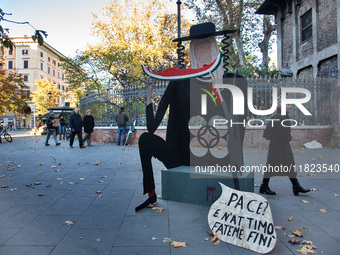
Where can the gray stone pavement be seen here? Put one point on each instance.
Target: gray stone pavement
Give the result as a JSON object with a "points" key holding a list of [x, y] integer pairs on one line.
{"points": [[97, 189]]}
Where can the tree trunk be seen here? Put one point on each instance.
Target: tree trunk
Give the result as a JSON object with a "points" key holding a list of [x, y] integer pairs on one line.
{"points": [[268, 28], [239, 46]]}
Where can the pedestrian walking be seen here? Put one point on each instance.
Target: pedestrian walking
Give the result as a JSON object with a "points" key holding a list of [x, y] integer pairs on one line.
{"points": [[62, 127], [280, 155], [88, 123], [1, 128], [51, 129], [121, 119], [76, 125]]}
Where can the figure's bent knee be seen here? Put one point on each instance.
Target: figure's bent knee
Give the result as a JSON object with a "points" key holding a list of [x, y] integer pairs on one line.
{"points": [[144, 138]]}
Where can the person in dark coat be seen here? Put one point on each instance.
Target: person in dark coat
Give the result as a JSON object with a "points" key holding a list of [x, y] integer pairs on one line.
{"points": [[62, 127], [280, 155], [121, 118], [76, 125], [88, 123], [51, 129]]}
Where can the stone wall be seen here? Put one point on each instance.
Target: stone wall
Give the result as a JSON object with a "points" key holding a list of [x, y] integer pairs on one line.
{"points": [[324, 66], [253, 136], [304, 49], [287, 38], [306, 72], [327, 23]]}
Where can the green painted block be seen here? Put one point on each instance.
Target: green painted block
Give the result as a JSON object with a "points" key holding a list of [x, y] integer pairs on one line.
{"points": [[182, 185]]}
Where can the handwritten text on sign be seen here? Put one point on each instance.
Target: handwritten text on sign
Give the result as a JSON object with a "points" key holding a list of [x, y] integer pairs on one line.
{"points": [[243, 219]]}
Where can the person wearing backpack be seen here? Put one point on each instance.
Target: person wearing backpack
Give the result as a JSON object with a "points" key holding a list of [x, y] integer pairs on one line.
{"points": [[280, 153]]}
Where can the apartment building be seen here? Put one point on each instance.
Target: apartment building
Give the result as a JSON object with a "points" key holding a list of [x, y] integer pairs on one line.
{"points": [[34, 62]]}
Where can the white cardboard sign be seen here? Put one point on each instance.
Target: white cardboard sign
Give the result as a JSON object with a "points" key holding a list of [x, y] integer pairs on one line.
{"points": [[243, 219]]}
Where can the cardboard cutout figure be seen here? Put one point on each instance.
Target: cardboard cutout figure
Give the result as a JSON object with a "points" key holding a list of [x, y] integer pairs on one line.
{"points": [[175, 151]]}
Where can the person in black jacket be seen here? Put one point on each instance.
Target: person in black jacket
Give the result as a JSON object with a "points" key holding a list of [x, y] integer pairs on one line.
{"points": [[51, 129], [76, 125], [280, 155], [88, 123], [62, 127], [122, 118]]}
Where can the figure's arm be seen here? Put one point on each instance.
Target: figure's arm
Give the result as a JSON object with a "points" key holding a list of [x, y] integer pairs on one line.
{"points": [[152, 122]]}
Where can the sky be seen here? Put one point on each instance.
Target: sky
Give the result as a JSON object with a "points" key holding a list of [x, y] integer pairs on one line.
{"points": [[67, 22]]}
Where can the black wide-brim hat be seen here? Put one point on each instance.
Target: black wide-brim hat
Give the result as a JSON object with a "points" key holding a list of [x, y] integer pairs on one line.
{"points": [[203, 30]]}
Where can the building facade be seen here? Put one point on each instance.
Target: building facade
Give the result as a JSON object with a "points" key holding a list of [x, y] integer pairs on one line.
{"points": [[308, 35], [34, 62]]}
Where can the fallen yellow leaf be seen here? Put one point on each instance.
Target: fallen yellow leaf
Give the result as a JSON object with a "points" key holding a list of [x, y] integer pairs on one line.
{"points": [[323, 210], [217, 242], [178, 244], [160, 210], [297, 233], [294, 241], [214, 238], [291, 218], [309, 244], [305, 201], [206, 239], [305, 250]]}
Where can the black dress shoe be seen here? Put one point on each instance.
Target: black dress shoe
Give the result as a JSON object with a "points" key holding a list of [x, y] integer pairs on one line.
{"points": [[297, 188], [150, 200], [264, 189]]}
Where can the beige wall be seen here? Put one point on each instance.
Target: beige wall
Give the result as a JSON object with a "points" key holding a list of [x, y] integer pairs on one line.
{"points": [[40, 60]]}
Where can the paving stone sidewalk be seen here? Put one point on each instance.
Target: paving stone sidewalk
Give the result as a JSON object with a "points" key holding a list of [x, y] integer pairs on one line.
{"points": [[63, 201]]}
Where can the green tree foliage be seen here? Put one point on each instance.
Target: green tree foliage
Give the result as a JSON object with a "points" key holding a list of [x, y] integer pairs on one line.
{"points": [[82, 74], [13, 92], [252, 34], [131, 33], [41, 98]]}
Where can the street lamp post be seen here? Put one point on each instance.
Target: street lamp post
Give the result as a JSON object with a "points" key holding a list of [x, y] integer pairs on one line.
{"points": [[49, 99]]}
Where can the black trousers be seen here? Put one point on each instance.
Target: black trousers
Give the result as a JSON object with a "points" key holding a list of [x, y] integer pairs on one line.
{"points": [[80, 137], [151, 145]]}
